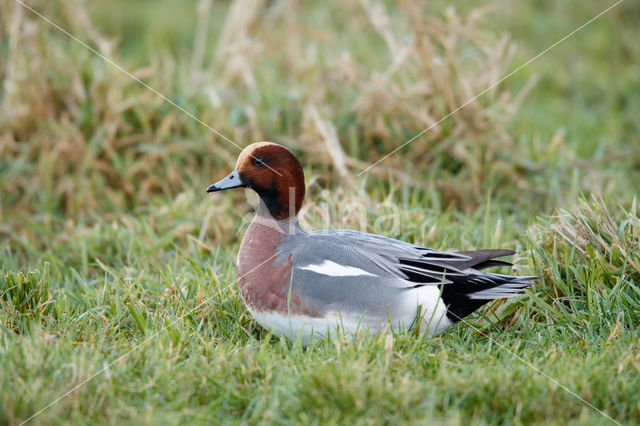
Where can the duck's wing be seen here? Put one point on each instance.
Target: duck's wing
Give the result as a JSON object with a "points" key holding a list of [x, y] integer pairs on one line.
{"points": [[390, 258], [355, 270]]}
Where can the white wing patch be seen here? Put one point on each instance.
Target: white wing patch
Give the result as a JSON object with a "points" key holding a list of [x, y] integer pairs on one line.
{"points": [[336, 270]]}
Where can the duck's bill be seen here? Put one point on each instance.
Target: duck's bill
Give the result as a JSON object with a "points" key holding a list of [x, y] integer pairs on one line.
{"points": [[231, 181]]}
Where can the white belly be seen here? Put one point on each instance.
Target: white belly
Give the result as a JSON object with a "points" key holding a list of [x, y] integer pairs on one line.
{"points": [[425, 300]]}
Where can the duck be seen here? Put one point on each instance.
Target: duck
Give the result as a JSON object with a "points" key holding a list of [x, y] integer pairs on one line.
{"points": [[309, 284]]}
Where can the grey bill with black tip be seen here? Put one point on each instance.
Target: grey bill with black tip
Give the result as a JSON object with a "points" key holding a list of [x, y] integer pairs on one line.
{"points": [[231, 181]]}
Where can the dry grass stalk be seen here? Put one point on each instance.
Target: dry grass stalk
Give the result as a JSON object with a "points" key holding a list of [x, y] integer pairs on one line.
{"points": [[328, 136], [236, 46], [592, 230]]}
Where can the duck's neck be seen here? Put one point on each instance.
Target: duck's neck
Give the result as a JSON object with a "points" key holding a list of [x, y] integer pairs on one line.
{"points": [[279, 227], [281, 201]]}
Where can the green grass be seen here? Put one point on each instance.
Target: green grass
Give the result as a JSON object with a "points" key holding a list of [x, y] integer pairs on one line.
{"points": [[114, 262]]}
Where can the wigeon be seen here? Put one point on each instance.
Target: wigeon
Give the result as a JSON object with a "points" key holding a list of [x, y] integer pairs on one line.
{"points": [[299, 284]]}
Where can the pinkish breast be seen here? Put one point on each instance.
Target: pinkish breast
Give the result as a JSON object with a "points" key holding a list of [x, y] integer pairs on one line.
{"points": [[263, 278]]}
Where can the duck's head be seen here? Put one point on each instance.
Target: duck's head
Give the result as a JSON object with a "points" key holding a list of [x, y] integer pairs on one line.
{"points": [[274, 173]]}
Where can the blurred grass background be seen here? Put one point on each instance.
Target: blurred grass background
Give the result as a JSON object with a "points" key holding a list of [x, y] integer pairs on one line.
{"points": [[106, 235]]}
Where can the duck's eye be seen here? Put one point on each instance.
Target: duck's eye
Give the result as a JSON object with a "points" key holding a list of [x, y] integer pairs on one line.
{"points": [[257, 161]]}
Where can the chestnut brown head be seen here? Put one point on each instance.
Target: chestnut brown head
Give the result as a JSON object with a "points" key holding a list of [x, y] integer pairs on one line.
{"points": [[274, 173]]}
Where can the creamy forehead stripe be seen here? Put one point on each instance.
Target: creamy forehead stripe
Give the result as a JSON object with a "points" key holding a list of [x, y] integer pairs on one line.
{"points": [[246, 152], [336, 270]]}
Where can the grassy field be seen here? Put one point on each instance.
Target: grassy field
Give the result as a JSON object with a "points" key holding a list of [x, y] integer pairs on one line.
{"points": [[117, 270]]}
